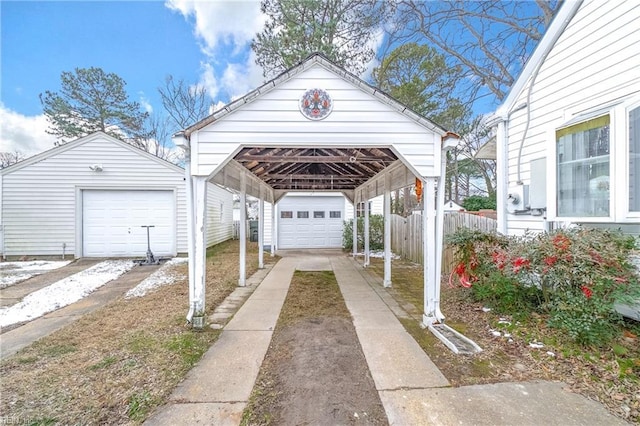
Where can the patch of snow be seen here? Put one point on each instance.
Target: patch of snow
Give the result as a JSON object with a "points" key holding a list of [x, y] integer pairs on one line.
{"points": [[163, 276], [485, 309], [379, 255], [551, 353], [536, 345], [63, 292], [14, 272], [495, 333]]}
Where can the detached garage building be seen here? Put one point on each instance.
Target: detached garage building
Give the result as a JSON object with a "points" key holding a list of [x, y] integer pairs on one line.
{"points": [[91, 197], [310, 221]]}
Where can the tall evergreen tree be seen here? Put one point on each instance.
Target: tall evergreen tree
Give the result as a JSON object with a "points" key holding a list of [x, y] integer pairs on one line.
{"points": [[343, 30], [91, 100]]}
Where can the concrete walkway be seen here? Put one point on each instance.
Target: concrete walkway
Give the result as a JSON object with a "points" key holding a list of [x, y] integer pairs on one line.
{"points": [[216, 391], [14, 340], [412, 389]]}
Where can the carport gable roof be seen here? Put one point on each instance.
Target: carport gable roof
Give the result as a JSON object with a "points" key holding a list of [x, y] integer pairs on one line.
{"points": [[313, 59], [323, 157]]}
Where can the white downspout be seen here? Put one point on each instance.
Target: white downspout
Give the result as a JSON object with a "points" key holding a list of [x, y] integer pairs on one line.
{"points": [[182, 142]]}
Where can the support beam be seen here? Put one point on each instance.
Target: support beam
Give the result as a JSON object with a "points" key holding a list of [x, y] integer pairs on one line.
{"points": [[354, 228], [432, 314], [273, 229], [242, 279], [387, 230], [200, 250], [261, 230], [367, 259]]}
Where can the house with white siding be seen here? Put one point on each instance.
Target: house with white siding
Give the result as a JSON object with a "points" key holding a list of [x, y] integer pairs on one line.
{"points": [[91, 198], [568, 133]]}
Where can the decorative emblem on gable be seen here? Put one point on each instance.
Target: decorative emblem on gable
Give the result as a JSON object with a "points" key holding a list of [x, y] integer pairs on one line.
{"points": [[316, 104]]}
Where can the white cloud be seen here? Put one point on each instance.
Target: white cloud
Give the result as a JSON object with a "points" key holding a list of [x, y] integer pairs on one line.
{"points": [[26, 134], [208, 80], [375, 43], [144, 102], [239, 79], [233, 22]]}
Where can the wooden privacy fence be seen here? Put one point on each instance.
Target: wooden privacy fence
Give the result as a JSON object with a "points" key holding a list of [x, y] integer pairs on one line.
{"points": [[406, 234]]}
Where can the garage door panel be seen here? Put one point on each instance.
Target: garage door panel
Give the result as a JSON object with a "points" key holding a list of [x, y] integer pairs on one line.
{"points": [[113, 220], [318, 230]]}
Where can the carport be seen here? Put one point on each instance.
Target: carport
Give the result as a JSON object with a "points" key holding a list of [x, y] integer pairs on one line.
{"points": [[315, 128]]}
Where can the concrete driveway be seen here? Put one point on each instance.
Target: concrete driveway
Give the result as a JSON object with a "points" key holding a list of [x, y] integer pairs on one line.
{"points": [[15, 337]]}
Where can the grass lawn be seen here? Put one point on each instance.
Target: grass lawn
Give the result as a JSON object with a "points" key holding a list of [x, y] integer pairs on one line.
{"points": [[113, 366]]}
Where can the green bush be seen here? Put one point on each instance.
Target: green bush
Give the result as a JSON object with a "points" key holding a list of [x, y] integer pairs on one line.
{"points": [[376, 233], [478, 202], [574, 276]]}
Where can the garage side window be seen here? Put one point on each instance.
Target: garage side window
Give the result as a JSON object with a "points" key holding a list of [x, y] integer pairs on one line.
{"points": [[286, 215], [318, 215], [303, 215], [335, 214]]}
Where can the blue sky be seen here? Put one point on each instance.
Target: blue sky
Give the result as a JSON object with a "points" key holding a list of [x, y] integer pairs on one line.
{"points": [[205, 43]]}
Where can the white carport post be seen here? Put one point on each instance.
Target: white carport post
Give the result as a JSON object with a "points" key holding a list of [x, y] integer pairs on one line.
{"points": [[367, 253], [432, 312], [273, 229], [199, 202], [387, 230], [243, 230], [261, 230], [354, 226]]}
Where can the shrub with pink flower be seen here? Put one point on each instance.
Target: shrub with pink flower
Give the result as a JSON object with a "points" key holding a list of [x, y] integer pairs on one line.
{"points": [[573, 276]]}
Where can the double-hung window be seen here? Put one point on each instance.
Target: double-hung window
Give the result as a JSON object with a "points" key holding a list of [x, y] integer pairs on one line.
{"points": [[583, 173], [598, 165]]}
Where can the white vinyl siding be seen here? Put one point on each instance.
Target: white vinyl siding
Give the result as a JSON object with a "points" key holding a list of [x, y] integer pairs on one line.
{"points": [[595, 62], [42, 197], [358, 119], [219, 214]]}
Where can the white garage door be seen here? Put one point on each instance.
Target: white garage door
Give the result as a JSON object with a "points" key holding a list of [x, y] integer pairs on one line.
{"points": [[310, 222], [112, 223]]}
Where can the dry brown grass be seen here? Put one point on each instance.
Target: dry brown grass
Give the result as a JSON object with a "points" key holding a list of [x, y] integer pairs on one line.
{"points": [[610, 374], [115, 365], [315, 371]]}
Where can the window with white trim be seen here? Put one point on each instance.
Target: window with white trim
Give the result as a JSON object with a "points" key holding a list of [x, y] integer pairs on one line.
{"points": [[583, 169]]}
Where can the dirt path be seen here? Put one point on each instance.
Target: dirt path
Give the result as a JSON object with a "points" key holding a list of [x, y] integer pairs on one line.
{"points": [[315, 371]]}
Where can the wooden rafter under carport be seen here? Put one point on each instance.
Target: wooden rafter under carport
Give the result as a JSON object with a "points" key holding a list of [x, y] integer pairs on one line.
{"points": [[318, 169]]}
